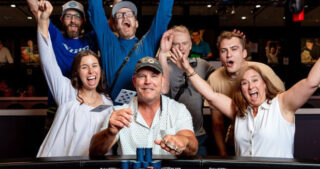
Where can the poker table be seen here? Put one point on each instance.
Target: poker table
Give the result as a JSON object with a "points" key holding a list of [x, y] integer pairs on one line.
{"points": [[210, 162]]}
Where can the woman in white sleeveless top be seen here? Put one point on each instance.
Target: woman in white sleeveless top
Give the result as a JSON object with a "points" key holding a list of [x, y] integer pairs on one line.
{"points": [[264, 117]]}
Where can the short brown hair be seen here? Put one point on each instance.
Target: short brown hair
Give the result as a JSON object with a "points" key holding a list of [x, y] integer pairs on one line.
{"points": [[240, 101], [76, 82], [229, 35]]}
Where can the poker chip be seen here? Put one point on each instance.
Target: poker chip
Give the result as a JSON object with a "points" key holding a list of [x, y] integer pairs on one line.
{"points": [[125, 164], [144, 160], [144, 164], [140, 154], [156, 164], [148, 155], [136, 164]]}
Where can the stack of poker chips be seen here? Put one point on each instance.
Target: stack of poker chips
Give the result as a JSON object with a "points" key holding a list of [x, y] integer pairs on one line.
{"points": [[144, 161]]}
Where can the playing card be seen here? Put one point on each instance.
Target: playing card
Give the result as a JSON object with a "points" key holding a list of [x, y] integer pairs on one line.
{"points": [[100, 108], [125, 96]]}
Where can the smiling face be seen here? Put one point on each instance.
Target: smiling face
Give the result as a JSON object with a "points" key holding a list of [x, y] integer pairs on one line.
{"points": [[148, 84], [253, 88], [126, 23], [182, 41], [89, 72], [232, 55], [72, 22]]}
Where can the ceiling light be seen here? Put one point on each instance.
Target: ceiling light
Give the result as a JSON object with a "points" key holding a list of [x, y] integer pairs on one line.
{"points": [[243, 17], [209, 6], [306, 6], [29, 17], [13, 5], [284, 18], [111, 6], [258, 6]]}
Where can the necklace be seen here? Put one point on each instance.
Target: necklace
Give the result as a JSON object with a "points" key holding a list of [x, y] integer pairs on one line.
{"points": [[91, 101]]}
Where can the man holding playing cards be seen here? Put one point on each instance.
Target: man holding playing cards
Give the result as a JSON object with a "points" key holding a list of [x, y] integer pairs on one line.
{"points": [[151, 120]]}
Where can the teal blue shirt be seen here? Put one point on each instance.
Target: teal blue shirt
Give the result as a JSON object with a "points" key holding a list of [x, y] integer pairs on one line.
{"points": [[200, 50]]}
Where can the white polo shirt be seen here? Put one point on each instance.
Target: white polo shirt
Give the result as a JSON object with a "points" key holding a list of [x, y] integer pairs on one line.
{"points": [[266, 135], [173, 118]]}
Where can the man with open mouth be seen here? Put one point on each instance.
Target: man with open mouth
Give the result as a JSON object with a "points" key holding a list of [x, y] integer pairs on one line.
{"points": [[232, 51], [114, 50]]}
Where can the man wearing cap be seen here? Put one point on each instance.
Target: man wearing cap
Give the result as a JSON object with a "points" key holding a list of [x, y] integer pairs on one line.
{"points": [[67, 45], [232, 52], [115, 49], [150, 120]]}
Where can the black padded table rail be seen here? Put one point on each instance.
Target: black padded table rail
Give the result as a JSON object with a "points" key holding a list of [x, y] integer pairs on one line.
{"points": [[210, 162]]}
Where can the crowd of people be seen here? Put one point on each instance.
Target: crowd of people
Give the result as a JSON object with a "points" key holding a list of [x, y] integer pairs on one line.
{"points": [[171, 84]]}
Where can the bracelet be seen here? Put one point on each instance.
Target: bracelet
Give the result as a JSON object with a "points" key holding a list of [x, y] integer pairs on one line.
{"points": [[193, 73]]}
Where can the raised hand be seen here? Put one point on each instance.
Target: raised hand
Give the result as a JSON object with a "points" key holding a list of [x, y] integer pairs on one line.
{"points": [[45, 10], [166, 41], [119, 119], [239, 33], [178, 59]]}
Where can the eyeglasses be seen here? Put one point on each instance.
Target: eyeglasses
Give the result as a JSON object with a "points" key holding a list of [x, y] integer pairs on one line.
{"points": [[120, 15], [70, 16]]}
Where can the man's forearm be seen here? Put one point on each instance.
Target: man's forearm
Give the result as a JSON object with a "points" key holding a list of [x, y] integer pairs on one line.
{"points": [[218, 131], [165, 67], [192, 146], [191, 143], [43, 26], [101, 143]]}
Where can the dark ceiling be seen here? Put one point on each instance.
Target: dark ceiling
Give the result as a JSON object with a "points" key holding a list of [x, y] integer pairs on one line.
{"points": [[271, 12]]}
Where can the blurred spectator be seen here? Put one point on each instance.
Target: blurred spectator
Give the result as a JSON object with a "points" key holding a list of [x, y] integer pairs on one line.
{"points": [[29, 91], [315, 53], [5, 56], [5, 90], [306, 57], [272, 52], [3, 87], [199, 47]]}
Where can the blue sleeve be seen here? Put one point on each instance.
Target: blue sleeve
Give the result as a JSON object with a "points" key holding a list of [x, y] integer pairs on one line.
{"points": [[159, 24], [92, 39], [54, 32], [107, 41]]}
